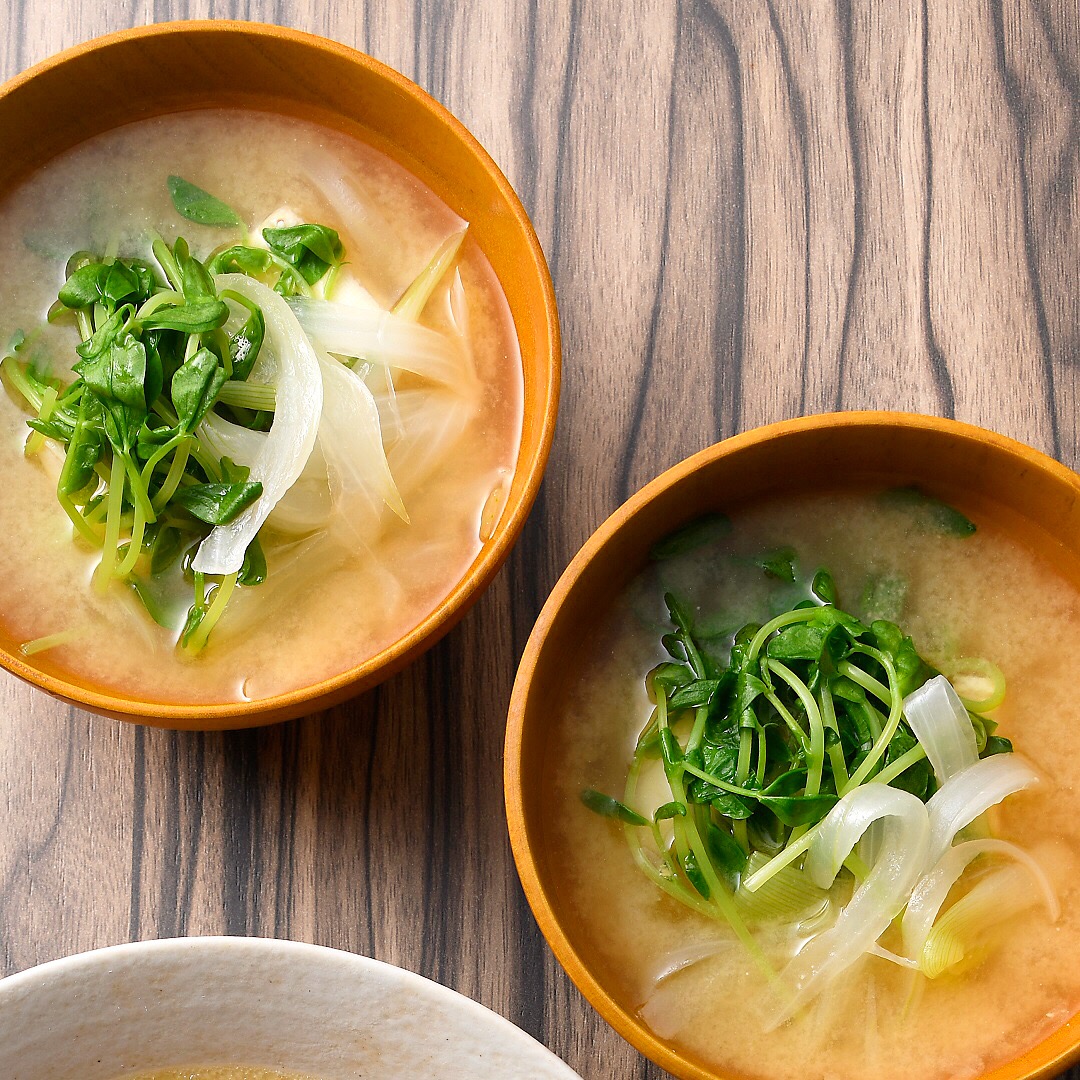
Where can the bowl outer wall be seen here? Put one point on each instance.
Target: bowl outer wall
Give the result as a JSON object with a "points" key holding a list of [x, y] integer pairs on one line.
{"points": [[1034, 497], [251, 1001], [87, 89]]}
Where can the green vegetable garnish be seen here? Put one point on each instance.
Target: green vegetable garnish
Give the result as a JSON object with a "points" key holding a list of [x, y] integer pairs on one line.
{"points": [[929, 513], [158, 349], [311, 249], [701, 531], [760, 735], [200, 206]]}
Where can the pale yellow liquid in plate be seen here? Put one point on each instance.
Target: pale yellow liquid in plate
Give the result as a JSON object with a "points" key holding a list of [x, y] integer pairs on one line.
{"points": [[221, 1072]]}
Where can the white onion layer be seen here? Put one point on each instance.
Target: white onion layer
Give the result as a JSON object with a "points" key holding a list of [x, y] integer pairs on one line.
{"points": [[288, 363], [933, 888], [350, 437], [877, 900], [380, 337], [962, 798], [940, 722]]}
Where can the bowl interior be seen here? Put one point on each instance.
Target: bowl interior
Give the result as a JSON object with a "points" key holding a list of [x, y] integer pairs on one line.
{"points": [[184, 66], [1031, 497]]}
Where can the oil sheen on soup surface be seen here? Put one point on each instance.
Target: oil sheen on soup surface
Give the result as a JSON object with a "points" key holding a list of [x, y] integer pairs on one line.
{"points": [[684, 974], [333, 595]]}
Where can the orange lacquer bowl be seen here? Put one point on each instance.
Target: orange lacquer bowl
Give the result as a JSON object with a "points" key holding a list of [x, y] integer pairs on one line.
{"points": [[1036, 500], [172, 67]]}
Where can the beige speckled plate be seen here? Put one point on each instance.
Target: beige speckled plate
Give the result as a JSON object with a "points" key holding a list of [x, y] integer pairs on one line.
{"points": [[229, 1001]]}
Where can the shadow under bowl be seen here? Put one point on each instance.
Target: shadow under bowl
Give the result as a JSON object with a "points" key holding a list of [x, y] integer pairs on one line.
{"points": [[1032, 498]]}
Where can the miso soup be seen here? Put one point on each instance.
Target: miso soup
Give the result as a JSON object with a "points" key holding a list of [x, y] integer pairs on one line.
{"points": [[696, 986], [221, 1072], [341, 582]]}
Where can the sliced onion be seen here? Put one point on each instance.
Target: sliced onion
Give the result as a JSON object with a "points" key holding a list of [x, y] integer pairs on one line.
{"points": [[893, 958], [933, 888], [288, 363], [380, 381], [788, 894], [877, 900], [961, 799], [434, 421], [940, 722], [306, 506], [350, 437], [992, 900], [380, 337], [226, 439], [685, 956], [459, 319], [902, 817]]}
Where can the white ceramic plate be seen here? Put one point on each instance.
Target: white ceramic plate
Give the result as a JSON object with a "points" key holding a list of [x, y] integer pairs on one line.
{"points": [[252, 1001]]}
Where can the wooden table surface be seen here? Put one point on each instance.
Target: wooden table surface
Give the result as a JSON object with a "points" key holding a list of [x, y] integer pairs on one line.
{"points": [[752, 209]]}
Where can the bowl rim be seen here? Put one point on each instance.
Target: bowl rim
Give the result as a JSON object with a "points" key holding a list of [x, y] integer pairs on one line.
{"points": [[137, 956], [479, 574], [614, 1013]]}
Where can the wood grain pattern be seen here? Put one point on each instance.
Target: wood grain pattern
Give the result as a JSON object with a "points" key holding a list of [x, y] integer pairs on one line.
{"points": [[752, 209]]}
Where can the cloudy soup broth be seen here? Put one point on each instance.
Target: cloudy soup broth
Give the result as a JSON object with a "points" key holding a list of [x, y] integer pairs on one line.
{"points": [[695, 986], [221, 1072], [346, 575]]}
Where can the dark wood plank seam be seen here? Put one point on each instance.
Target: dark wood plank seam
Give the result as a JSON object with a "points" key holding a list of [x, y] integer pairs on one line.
{"points": [[938, 365], [1064, 181], [138, 832], [525, 137], [624, 488], [168, 911], [193, 841], [802, 134], [241, 800], [418, 21], [285, 870], [370, 872], [1014, 100], [18, 19], [561, 135], [733, 385], [437, 834], [847, 55]]}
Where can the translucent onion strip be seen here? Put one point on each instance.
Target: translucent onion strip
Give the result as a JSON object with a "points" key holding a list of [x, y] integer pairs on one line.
{"points": [[960, 800], [306, 506], [789, 894], [995, 898], [234, 441], [288, 362], [940, 722], [434, 421], [877, 900], [350, 437], [415, 298], [383, 338], [933, 888]]}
